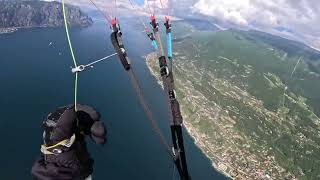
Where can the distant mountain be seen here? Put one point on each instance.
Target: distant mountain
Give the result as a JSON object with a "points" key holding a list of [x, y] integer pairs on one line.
{"points": [[290, 46], [34, 13], [200, 24]]}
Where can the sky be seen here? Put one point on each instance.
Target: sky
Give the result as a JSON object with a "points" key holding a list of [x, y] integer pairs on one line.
{"points": [[294, 19]]}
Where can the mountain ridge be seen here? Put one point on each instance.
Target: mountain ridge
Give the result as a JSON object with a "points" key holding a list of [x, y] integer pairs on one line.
{"points": [[25, 14]]}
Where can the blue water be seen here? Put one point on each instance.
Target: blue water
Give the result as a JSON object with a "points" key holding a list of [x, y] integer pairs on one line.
{"points": [[36, 78]]}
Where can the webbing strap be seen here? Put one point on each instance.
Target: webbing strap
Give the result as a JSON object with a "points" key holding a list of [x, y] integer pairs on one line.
{"points": [[72, 54], [154, 44], [146, 29], [182, 155], [167, 24], [169, 45], [116, 40], [155, 26], [64, 143], [173, 104], [162, 60]]}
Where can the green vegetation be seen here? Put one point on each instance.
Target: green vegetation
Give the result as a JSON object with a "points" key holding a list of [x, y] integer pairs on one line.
{"points": [[240, 94]]}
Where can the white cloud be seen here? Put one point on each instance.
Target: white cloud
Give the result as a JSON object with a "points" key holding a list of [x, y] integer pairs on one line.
{"points": [[297, 18], [157, 3], [294, 19], [235, 11]]}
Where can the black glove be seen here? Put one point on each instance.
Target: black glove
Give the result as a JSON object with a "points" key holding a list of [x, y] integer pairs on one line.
{"points": [[89, 123], [59, 125], [64, 122], [64, 153]]}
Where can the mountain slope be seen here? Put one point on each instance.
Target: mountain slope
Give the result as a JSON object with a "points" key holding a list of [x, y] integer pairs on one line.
{"points": [[39, 14], [249, 104]]}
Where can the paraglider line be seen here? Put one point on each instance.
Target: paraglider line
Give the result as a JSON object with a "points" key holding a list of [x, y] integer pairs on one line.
{"points": [[99, 60], [72, 54], [105, 15]]}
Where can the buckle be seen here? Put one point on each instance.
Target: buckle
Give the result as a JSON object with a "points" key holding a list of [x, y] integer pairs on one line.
{"points": [[176, 153], [57, 151], [164, 71], [172, 95]]}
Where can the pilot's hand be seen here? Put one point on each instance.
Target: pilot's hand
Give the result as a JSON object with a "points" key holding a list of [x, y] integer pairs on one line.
{"points": [[89, 123]]}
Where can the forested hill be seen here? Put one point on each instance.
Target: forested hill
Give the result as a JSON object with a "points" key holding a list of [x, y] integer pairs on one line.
{"points": [[39, 14]]}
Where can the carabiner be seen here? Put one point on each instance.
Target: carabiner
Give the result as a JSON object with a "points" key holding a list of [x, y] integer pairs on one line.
{"points": [[78, 69]]}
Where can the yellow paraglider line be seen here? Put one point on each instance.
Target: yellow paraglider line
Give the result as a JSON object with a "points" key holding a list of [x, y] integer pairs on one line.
{"points": [[72, 54]]}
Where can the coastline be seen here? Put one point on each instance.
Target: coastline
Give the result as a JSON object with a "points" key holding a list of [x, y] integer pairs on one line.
{"points": [[188, 126], [8, 30]]}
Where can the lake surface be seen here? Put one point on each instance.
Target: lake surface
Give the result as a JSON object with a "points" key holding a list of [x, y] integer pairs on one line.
{"points": [[36, 78]]}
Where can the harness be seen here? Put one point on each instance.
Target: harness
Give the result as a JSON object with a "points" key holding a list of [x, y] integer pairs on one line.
{"points": [[174, 106], [177, 151], [58, 148]]}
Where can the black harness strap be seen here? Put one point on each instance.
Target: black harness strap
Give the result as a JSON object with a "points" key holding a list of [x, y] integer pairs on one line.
{"points": [[151, 36], [176, 126], [178, 154], [117, 43], [177, 120], [119, 47]]}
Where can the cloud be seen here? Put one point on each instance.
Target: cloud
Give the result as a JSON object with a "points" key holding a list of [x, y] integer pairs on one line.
{"points": [[235, 11], [294, 19], [297, 19]]}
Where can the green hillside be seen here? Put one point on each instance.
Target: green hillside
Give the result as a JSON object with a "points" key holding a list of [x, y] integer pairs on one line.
{"points": [[249, 108]]}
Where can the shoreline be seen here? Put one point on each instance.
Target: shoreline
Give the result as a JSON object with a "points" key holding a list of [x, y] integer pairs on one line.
{"points": [[8, 30], [190, 130]]}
